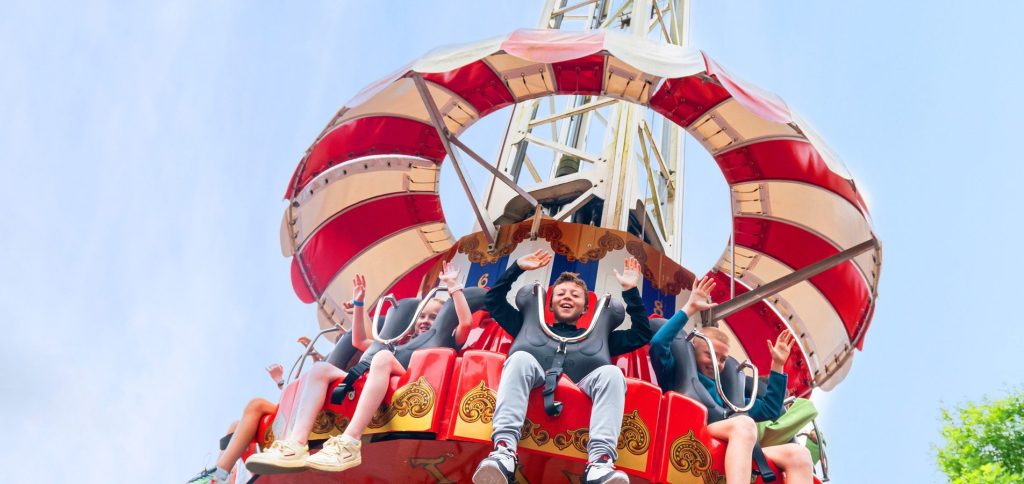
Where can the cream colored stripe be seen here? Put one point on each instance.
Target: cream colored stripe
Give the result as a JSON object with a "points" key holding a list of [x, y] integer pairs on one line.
{"points": [[350, 183], [403, 100], [813, 208], [821, 331], [387, 261], [525, 79], [729, 125]]}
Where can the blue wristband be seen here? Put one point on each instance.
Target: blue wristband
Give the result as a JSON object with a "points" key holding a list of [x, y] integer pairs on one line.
{"points": [[357, 303]]}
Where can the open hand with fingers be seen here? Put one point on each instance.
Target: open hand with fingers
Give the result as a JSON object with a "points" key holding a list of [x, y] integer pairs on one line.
{"points": [[536, 260], [449, 276], [700, 296], [781, 349], [358, 288], [631, 275], [276, 372]]}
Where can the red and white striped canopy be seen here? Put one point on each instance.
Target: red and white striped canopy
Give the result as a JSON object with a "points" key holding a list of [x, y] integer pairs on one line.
{"points": [[364, 197]]}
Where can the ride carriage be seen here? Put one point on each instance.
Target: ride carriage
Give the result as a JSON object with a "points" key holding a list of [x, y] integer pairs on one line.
{"points": [[364, 199]]}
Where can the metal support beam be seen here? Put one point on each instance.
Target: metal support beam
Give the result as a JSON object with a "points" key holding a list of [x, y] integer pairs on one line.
{"points": [[482, 219], [562, 148], [577, 110], [494, 171], [665, 172], [750, 298]]}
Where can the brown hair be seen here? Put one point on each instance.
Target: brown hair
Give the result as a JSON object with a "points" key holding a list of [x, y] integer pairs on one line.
{"points": [[574, 278]]}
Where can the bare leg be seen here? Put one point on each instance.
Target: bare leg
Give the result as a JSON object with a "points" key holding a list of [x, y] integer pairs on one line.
{"points": [[244, 431], [741, 434], [794, 460], [382, 367], [314, 391]]}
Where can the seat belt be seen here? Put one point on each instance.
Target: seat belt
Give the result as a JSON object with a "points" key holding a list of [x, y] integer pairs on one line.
{"points": [[353, 374], [552, 406], [762, 464]]}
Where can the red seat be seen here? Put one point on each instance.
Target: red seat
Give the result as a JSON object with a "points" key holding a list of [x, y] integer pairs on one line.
{"points": [[471, 409]]}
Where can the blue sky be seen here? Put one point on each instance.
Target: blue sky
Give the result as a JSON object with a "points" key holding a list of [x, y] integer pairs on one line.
{"points": [[145, 149]]}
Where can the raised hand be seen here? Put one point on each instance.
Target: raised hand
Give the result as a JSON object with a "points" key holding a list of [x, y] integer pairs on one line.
{"points": [[781, 349], [533, 261], [276, 372], [631, 275], [700, 296], [450, 275], [358, 287], [348, 307]]}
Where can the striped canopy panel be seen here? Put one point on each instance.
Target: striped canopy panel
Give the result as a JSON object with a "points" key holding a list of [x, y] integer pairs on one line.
{"points": [[364, 197]]}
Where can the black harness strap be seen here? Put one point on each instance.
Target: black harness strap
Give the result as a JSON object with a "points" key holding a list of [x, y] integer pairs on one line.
{"points": [[552, 406], [762, 464], [225, 440], [352, 375]]}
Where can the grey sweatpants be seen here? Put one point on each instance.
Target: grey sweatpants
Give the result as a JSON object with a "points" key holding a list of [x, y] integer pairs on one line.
{"points": [[605, 386]]}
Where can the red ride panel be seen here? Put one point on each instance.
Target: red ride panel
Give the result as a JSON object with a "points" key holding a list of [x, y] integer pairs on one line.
{"points": [[580, 76], [477, 84], [375, 135], [843, 286], [754, 326], [684, 99], [787, 159], [343, 237]]}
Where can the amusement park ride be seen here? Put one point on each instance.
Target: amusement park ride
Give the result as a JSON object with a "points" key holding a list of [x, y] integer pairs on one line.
{"points": [[590, 169]]}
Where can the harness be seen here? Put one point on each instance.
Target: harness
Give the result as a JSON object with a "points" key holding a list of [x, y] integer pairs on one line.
{"points": [[575, 356]]}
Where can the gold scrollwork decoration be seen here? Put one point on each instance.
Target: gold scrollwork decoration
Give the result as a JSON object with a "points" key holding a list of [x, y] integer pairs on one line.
{"points": [[535, 433], [577, 439], [268, 438], [478, 404], [415, 399], [634, 437], [689, 455], [324, 422]]}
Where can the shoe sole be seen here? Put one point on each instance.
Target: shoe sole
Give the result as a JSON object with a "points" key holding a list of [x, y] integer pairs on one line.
{"points": [[617, 479], [267, 468], [333, 468], [489, 473]]}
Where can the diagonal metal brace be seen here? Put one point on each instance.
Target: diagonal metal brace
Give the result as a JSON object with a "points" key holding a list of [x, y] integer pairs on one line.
{"points": [[750, 298], [482, 219]]}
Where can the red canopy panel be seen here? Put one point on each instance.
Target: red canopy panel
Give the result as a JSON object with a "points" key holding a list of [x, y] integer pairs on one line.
{"points": [[580, 76], [359, 228], [477, 84], [369, 136], [786, 159], [755, 326], [685, 99], [843, 286]]}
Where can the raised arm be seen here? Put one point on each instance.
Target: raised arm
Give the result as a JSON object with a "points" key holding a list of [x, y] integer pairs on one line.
{"points": [[699, 300], [450, 278], [496, 300], [769, 407], [360, 329], [639, 333]]}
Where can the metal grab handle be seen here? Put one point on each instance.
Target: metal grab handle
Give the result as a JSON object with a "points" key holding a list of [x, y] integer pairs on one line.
{"points": [[309, 348], [718, 377], [376, 314], [601, 304], [821, 451], [412, 321]]}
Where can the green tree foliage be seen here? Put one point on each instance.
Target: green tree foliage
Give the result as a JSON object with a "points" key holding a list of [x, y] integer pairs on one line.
{"points": [[984, 443]]}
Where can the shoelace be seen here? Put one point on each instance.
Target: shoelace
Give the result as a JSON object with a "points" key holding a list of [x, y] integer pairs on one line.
{"points": [[280, 447]]}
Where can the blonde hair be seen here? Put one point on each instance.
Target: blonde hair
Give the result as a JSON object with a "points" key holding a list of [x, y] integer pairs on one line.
{"points": [[715, 334]]}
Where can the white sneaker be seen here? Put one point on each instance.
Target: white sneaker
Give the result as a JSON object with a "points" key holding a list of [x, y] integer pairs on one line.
{"points": [[282, 456], [337, 455], [602, 471]]}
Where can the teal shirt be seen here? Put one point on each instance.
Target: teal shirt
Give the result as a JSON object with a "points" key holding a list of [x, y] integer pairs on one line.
{"points": [[766, 408]]}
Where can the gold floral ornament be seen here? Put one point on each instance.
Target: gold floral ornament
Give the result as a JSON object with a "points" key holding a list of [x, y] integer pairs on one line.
{"points": [[415, 399], [634, 437], [478, 404], [689, 455]]}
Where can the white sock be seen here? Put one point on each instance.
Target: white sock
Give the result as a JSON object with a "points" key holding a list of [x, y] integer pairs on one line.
{"points": [[221, 474], [348, 439]]}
